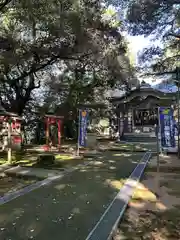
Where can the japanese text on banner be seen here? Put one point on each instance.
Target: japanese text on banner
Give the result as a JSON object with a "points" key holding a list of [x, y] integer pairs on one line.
{"points": [[167, 127], [83, 117]]}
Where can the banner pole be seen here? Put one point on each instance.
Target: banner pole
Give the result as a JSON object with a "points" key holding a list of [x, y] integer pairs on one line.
{"points": [[159, 132], [157, 147], [79, 125], [178, 110], [157, 159]]}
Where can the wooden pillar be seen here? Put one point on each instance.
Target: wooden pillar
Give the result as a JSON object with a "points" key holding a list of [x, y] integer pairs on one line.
{"points": [[47, 131], [130, 120], [59, 133], [9, 142], [121, 124], [133, 125]]}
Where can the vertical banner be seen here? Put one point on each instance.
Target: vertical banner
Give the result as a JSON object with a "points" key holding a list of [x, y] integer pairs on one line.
{"points": [[167, 127], [83, 118]]}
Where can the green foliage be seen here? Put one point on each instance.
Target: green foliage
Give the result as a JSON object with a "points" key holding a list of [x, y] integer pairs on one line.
{"points": [[80, 39], [159, 19], [37, 35]]}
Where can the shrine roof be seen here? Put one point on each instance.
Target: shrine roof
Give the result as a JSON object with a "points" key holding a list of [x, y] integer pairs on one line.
{"points": [[93, 105], [4, 113], [145, 91]]}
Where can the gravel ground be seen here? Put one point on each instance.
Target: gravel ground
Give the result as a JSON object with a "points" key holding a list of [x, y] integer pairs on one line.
{"points": [[156, 217]]}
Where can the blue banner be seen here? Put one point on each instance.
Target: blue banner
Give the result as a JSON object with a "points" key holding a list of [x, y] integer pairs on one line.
{"points": [[167, 127], [83, 119]]}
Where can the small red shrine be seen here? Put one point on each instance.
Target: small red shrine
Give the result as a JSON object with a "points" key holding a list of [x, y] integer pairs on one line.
{"points": [[53, 120], [10, 129]]}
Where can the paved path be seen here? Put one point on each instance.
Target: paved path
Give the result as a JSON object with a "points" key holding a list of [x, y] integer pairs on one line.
{"points": [[135, 146], [68, 208], [32, 172]]}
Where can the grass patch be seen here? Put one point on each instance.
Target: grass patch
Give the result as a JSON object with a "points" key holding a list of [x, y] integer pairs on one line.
{"points": [[64, 157], [3, 161], [31, 159]]}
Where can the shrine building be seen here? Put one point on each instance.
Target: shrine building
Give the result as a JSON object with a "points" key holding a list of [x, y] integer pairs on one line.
{"points": [[137, 110]]}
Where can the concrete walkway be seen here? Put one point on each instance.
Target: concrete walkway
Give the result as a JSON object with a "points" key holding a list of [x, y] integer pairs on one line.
{"points": [[68, 208], [132, 146]]}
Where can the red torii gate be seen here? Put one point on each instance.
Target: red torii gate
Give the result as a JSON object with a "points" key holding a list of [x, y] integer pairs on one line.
{"points": [[51, 120]]}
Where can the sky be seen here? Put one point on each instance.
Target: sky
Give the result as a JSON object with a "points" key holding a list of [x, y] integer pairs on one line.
{"points": [[136, 45]]}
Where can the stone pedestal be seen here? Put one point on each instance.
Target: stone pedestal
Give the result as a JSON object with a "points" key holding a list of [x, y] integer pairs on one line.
{"points": [[91, 140]]}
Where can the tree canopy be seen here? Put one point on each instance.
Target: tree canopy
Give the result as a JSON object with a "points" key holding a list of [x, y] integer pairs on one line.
{"points": [[161, 20], [56, 55], [76, 37]]}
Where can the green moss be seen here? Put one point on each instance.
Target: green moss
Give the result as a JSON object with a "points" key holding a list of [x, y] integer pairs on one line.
{"points": [[3, 161], [63, 157]]}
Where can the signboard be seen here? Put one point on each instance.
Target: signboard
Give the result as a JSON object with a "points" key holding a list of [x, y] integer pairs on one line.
{"points": [[167, 127], [83, 117], [145, 117]]}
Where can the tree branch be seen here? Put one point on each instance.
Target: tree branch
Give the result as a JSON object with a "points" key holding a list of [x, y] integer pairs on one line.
{"points": [[174, 35], [53, 59], [4, 4], [42, 66], [158, 73]]}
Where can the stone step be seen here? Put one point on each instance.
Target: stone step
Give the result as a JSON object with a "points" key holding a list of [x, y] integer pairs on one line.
{"points": [[139, 138]]}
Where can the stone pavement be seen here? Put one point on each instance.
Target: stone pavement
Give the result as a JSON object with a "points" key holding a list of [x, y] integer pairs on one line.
{"points": [[41, 173], [68, 208], [29, 172], [132, 146]]}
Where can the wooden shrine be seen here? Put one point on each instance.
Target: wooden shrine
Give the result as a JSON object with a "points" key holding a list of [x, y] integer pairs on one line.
{"points": [[136, 111], [10, 130]]}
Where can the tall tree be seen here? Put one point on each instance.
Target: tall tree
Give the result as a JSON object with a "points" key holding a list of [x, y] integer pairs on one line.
{"points": [[36, 35]]}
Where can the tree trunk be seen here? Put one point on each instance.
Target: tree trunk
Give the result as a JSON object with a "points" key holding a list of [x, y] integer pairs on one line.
{"points": [[17, 106]]}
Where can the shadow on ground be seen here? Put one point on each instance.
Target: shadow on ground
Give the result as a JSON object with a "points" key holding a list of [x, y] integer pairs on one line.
{"points": [[31, 159], [68, 208]]}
